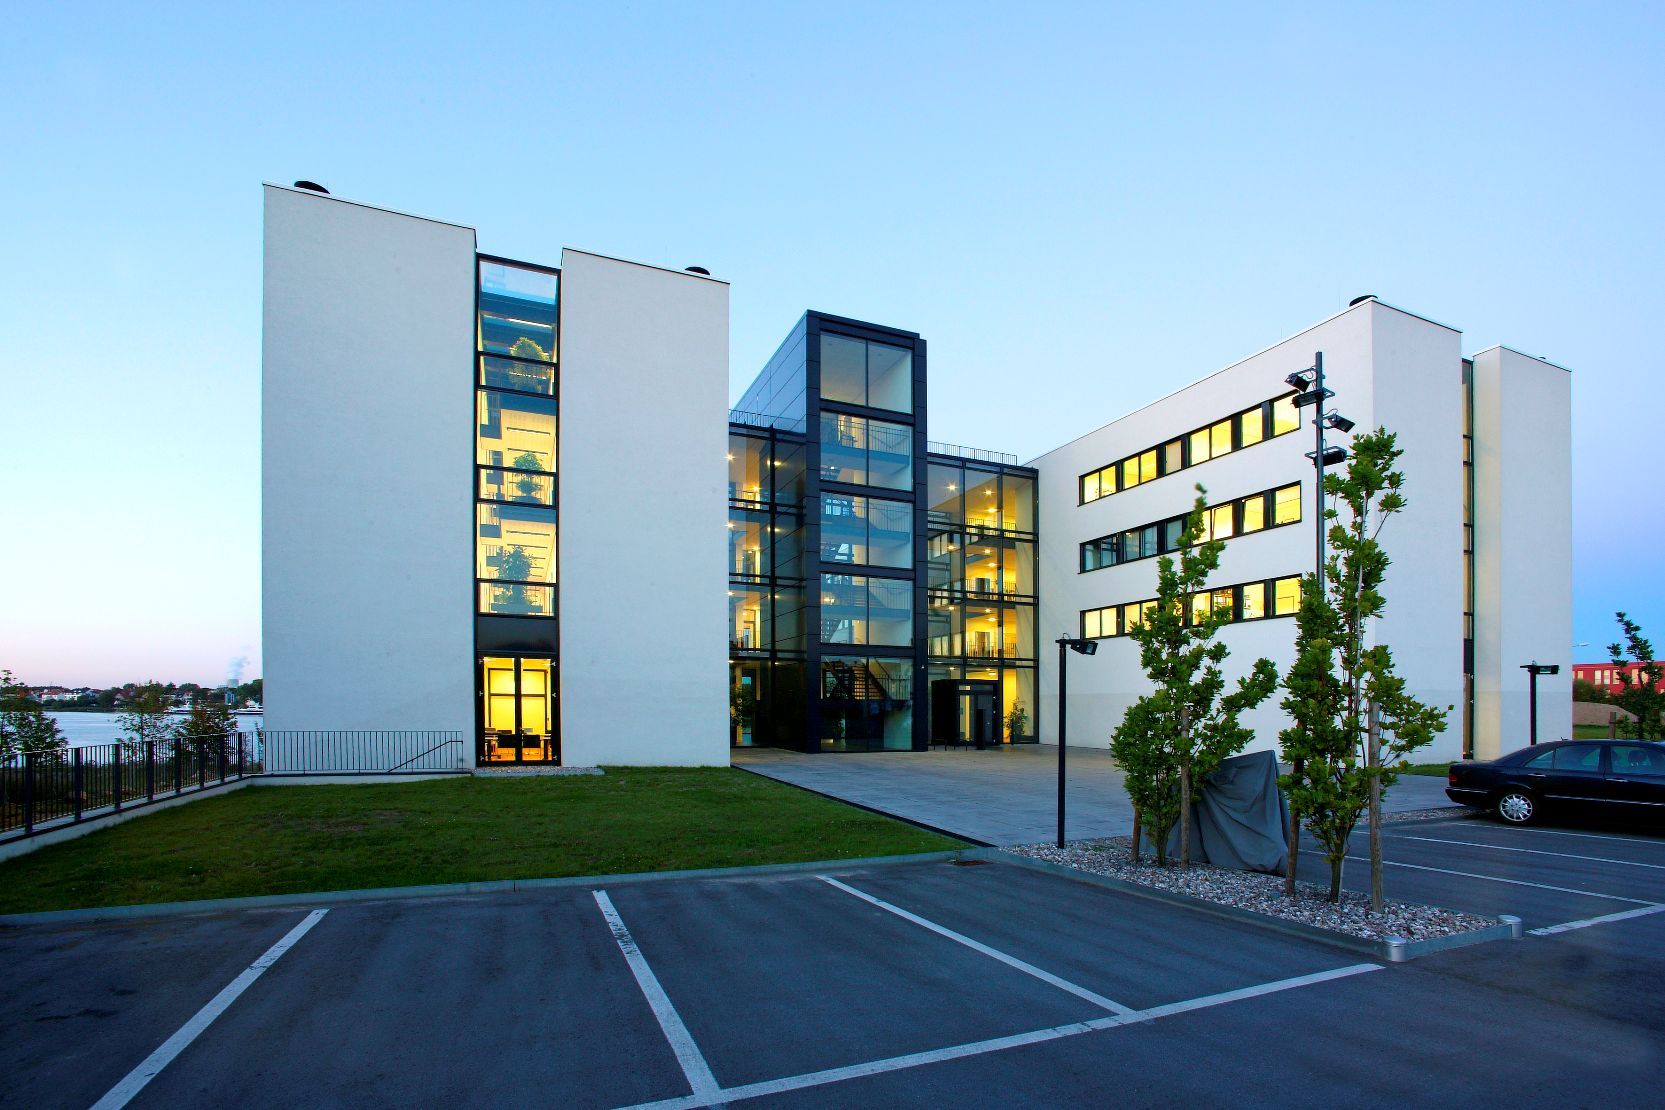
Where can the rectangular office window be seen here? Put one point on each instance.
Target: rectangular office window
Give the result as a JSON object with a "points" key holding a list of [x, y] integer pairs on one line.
{"points": [[866, 452], [1254, 601], [1199, 447], [515, 432], [862, 373], [516, 485], [515, 543], [1220, 522], [1254, 513], [866, 530], [1173, 456], [1286, 597], [863, 610], [1285, 416], [1219, 439], [518, 311], [1251, 426], [516, 600], [1286, 505]]}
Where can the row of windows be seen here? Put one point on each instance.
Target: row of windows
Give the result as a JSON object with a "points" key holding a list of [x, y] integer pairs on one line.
{"points": [[1254, 513], [1249, 601], [1243, 429]]}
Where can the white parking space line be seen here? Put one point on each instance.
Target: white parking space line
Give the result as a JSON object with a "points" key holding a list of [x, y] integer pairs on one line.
{"points": [[1589, 836], [1534, 852], [149, 1068], [997, 1044], [694, 1067], [993, 953], [1604, 919], [1500, 879]]}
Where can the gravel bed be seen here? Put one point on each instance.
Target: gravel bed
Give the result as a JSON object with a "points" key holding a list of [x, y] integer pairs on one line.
{"points": [[534, 772], [1442, 813], [1250, 890]]}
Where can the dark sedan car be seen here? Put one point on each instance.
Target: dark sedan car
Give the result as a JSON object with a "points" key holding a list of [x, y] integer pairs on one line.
{"points": [[1616, 778]]}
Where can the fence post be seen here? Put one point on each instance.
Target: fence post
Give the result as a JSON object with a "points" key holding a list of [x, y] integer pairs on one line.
{"points": [[178, 767], [28, 792], [76, 787], [202, 766], [221, 744], [150, 770], [239, 753], [120, 775]]}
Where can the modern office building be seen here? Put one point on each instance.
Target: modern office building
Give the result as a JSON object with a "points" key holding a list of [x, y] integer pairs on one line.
{"points": [[541, 583]]}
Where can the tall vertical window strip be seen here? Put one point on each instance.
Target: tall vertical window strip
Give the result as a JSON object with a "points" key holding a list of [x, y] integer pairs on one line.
{"points": [[515, 439], [858, 372], [1233, 433], [1246, 601]]}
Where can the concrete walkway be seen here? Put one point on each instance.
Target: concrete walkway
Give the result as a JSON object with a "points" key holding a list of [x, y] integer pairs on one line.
{"points": [[1001, 796]]}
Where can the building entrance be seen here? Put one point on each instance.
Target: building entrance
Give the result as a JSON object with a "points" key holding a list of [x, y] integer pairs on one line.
{"points": [[965, 711], [518, 722]]}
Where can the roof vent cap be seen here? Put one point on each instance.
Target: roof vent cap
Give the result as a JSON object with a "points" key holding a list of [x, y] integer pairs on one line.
{"points": [[313, 186], [697, 270], [1361, 300]]}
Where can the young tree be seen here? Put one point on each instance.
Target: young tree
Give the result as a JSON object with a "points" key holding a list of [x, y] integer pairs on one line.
{"points": [[146, 717], [209, 723], [1639, 691], [1353, 723], [25, 729], [1183, 729]]}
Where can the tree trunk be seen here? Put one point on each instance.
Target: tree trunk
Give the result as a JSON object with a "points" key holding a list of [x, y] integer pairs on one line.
{"points": [[1335, 878], [1373, 758], [1294, 853], [1134, 851], [1185, 786]]}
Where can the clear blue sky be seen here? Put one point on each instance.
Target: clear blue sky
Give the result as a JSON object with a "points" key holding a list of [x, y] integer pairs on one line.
{"points": [[1101, 205]]}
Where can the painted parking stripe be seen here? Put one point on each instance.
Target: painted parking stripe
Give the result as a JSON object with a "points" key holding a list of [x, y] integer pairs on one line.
{"points": [[694, 1067], [1588, 836], [1500, 879], [998, 1044], [149, 1068], [1604, 919], [993, 953], [1534, 852]]}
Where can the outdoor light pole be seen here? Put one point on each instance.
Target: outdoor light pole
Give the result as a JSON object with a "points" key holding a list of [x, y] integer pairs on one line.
{"points": [[1533, 670], [1313, 393], [1085, 647]]}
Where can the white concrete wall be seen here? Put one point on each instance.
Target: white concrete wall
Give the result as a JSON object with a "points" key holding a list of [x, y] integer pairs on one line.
{"points": [[1378, 360], [1523, 547], [644, 435], [366, 484]]}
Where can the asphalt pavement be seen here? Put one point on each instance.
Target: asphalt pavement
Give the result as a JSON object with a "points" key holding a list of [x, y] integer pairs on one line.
{"points": [[924, 984]]}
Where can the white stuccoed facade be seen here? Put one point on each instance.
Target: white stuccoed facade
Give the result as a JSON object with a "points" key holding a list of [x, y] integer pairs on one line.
{"points": [[1387, 367], [366, 490]]}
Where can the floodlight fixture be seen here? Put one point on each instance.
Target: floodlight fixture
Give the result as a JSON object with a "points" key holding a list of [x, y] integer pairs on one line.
{"points": [[1337, 421]]}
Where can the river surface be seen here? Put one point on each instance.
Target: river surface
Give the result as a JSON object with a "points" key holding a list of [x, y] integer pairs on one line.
{"points": [[86, 729]]}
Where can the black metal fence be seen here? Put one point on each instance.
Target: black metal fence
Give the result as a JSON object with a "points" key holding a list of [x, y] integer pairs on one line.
{"points": [[362, 753], [41, 792]]}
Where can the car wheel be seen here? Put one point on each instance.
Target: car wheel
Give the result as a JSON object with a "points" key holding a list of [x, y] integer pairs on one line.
{"points": [[1516, 807]]}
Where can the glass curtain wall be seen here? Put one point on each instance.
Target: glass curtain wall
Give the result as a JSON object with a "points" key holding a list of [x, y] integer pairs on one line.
{"points": [[767, 652], [516, 409], [981, 587]]}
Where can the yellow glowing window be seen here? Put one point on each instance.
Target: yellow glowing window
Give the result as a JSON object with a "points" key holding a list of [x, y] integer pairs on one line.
{"points": [[1286, 505], [1130, 473], [1219, 439], [1225, 600], [1132, 617], [1173, 456], [1220, 521], [1147, 466], [1251, 427], [1254, 513], [1091, 623], [1089, 488], [1199, 447], [1200, 606], [1254, 601], [1286, 596], [1285, 416], [1107, 481]]}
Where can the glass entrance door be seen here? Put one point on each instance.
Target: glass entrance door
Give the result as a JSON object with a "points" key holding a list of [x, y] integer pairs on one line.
{"points": [[518, 722]]}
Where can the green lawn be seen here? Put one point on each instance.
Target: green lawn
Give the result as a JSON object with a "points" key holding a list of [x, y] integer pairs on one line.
{"points": [[282, 839], [1438, 770]]}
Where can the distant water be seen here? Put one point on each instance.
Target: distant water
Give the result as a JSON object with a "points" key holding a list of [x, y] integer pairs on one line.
{"points": [[86, 729]]}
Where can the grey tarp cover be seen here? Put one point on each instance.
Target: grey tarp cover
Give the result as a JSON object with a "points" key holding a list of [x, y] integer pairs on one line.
{"points": [[1239, 819]]}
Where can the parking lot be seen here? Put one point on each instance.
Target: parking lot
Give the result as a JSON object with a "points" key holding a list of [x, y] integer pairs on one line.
{"points": [[921, 984]]}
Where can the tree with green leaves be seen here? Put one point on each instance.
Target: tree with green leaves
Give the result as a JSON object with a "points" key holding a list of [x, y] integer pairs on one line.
{"points": [[1352, 721], [1180, 732], [145, 718], [25, 729], [1639, 691], [210, 724]]}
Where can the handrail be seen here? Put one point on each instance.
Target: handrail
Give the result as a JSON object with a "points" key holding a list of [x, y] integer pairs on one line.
{"points": [[419, 755]]}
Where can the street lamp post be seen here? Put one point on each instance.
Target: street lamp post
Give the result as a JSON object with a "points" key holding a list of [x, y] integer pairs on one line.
{"points": [[1084, 647], [1533, 670], [1313, 393]]}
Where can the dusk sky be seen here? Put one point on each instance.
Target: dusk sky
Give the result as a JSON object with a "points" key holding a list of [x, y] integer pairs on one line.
{"points": [[1081, 208]]}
